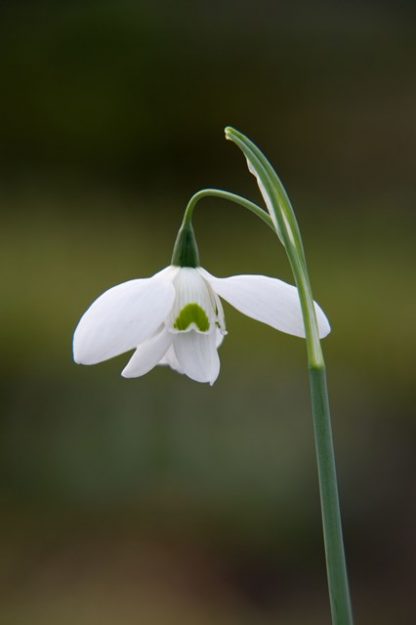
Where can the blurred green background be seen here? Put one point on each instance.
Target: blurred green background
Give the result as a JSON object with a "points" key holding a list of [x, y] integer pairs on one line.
{"points": [[158, 500]]}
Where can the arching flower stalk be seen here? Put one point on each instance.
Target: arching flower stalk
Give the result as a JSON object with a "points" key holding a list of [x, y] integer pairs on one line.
{"points": [[286, 228]]}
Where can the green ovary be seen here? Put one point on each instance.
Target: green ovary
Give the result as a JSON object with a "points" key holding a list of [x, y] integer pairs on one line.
{"points": [[192, 313]]}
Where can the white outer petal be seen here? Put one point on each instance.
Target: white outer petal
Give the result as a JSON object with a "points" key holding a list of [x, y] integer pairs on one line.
{"points": [[268, 300], [148, 355], [197, 355], [170, 359], [123, 317]]}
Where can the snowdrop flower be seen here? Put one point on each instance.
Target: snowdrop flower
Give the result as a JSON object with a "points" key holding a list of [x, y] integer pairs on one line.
{"points": [[176, 317]]}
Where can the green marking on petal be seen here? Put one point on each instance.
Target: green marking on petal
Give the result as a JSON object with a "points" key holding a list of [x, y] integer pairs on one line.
{"points": [[192, 313]]}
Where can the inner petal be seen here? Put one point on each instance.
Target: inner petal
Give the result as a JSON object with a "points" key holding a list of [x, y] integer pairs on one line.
{"points": [[193, 309], [192, 314], [197, 355]]}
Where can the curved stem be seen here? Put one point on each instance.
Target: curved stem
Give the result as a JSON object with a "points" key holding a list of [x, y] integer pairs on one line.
{"points": [[287, 229], [225, 195]]}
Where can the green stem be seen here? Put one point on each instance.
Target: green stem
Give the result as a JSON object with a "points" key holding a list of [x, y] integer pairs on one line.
{"points": [[225, 195], [287, 229], [185, 251], [339, 594]]}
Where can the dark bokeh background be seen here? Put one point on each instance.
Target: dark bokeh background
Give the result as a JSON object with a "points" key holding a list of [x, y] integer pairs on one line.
{"points": [[158, 500]]}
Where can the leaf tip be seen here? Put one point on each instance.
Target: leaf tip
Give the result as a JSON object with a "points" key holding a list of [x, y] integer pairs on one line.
{"points": [[229, 131]]}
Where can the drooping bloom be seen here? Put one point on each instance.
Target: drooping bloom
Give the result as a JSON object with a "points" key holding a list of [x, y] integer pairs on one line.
{"points": [[176, 318]]}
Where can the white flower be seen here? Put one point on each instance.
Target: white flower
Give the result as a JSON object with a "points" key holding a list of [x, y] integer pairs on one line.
{"points": [[176, 318]]}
